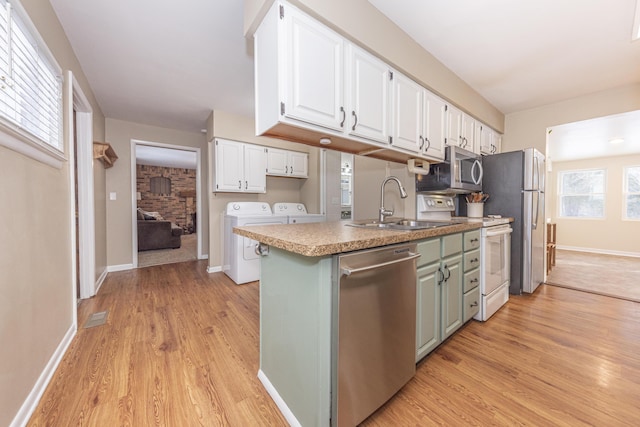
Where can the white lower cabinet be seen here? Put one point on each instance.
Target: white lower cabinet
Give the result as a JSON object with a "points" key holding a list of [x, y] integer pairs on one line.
{"points": [[439, 291], [239, 167]]}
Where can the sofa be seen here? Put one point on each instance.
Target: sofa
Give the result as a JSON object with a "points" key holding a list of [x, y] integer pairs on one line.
{"points": [[157, 234]]}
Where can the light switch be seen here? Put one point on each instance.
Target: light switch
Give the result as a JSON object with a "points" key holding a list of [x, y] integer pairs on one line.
{"points": [[112, 195]]}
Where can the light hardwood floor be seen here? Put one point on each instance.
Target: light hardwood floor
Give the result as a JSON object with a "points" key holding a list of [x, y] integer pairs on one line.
{"points": [[610, 275], [181, 348]]}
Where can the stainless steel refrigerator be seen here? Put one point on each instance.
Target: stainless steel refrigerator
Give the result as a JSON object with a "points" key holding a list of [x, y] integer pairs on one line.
{"points": [[515, 184]]}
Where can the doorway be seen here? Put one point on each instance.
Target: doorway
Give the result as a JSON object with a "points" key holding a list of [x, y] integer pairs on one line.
{"points": [[590, 198], [166, 203]]}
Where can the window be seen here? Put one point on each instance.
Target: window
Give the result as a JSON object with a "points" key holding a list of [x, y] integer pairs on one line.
{"points": [[30, 83], [581, 193], [632, 192]]}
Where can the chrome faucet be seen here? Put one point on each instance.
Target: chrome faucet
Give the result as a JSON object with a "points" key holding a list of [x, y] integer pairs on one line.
{"points": [[403, 193]]}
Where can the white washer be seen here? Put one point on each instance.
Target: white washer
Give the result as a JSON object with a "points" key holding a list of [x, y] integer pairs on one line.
{"points": [[241, 263], [297, 213]]}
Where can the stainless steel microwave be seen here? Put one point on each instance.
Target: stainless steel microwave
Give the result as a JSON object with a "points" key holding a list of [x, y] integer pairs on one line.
{"points": [[460, 173]]}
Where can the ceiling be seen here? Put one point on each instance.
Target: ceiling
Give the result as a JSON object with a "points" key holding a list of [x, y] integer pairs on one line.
{"points": [[169, 64], [167, 157]]}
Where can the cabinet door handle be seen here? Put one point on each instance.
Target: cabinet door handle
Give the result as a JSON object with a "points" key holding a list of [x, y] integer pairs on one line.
{"points": [[286, 169], [475, 239], [246, 185], [474, 304], [441, 277], [239, 185], [355, 120], [428, 144], [475, 280], [344, 116], [421, 142], [474, 260], [448, 273]]}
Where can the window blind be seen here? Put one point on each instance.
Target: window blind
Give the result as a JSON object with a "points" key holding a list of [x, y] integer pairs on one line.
{"points": [[30, 88]]}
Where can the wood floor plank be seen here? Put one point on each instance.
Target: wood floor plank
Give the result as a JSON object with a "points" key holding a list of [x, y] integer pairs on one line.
{"points": [[181, 348]]}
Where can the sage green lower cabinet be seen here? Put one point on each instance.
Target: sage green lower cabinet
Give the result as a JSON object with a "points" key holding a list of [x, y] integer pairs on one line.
{"points": [[439, 291], [295, 335], [471, 297]]}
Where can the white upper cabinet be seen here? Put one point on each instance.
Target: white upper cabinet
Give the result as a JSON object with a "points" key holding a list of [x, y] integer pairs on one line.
{"points": [[368, 88], [311, 83], [468, 132], [434, 127], [287, 163], [460, 129], [489, 141], [454, 126], [419, 118], [312, 71], [239, 167], [407, 114]]}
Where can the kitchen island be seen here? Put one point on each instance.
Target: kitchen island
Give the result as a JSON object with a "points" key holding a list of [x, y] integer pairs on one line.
{"points": [[298, 295]]}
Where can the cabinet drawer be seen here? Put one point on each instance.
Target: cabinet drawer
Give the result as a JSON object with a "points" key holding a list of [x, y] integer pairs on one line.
{"points": [[471, 260], [471, 303], [429, 251], [451, 244], [471, 240], [471, 280]]}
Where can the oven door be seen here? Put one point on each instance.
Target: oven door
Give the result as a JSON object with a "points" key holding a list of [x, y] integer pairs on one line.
{"points": [[496, 244]]}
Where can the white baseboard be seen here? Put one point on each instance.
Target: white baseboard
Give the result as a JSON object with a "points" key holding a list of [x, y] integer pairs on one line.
{"points": [[121, 267], [205, 256], [599, 251], [31, 402], [280, 403], [100, 280], [214, 269]]}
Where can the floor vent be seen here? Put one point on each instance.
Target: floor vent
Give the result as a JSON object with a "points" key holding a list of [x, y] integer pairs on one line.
{"points": [[96, 319]]}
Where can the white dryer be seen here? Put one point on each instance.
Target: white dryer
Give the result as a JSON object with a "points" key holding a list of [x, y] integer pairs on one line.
{"points": [[240, 261], [297, 213]]}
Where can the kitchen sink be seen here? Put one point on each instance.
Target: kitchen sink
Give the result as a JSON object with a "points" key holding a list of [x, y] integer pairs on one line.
{"points": [[402, 224]]}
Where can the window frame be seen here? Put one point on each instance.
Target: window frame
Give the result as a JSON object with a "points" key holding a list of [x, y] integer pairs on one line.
{"points": [[560, 194], [17, 137], [626, 192]]}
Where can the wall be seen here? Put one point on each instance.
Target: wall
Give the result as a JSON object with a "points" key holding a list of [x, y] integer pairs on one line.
{"points": [[528, 128], [367, 179], [36, 286], [608, 235], [173, 207], [118, 180], [279, 189], [362, 23]]}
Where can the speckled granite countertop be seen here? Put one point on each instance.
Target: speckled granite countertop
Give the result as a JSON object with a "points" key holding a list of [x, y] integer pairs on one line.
{"points": [[326, 238]]}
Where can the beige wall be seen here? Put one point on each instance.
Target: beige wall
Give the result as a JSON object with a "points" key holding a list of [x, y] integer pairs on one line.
{"points": [[608, 235], [36, 289], [529, 128], [367, 179], [119, 134], [362, 23], [279, 189]]}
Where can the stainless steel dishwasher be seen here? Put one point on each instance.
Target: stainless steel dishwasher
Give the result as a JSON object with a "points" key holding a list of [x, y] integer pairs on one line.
{"points": [[375, 324]]}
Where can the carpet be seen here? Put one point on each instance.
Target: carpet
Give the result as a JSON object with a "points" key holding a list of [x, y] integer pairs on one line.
{"points": [[188, 251]]}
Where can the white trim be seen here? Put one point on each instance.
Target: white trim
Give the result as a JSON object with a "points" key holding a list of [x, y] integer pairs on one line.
{"points": [[86, 207], [119, 267], [31, 402], [13, 140], [100, 280], [134, 218], [214, 269], [599, 251], [280, 403]]}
